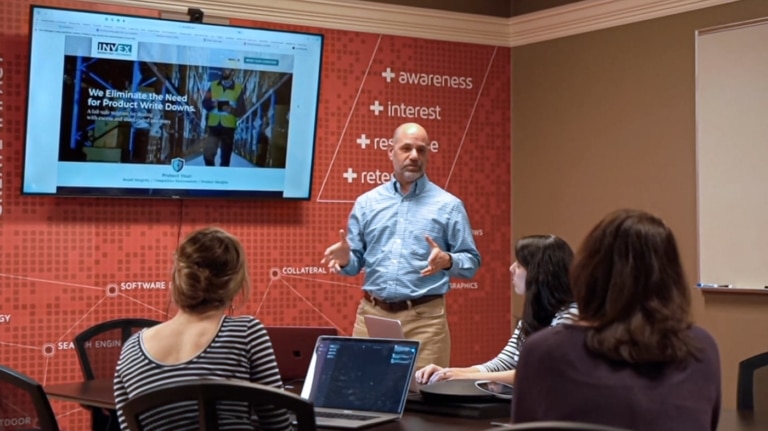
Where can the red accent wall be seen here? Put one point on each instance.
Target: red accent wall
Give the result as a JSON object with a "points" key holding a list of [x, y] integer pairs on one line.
{"points": [[65, 262]]}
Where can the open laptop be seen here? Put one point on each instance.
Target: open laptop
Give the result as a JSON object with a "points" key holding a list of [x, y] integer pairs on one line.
{"points": [[293, 346], [381, 327], [357, 382]]}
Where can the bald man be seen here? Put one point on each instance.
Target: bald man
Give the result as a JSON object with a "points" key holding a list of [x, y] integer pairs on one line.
{"points": [[410, 236]]}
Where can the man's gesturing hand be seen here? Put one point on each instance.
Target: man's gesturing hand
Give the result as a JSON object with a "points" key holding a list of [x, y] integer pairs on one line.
{"points": [[438, 259], [337, 255]]}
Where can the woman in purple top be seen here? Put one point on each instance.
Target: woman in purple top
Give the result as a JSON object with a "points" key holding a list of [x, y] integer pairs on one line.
{"points": [[634, 359]]}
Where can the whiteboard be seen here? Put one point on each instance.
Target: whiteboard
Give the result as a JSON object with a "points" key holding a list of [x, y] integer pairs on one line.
{"points": [[732, 154]]}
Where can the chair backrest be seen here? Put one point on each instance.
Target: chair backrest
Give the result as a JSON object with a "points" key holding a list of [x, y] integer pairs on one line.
{"points": [[560, 426], [23, 403], [204, 396], [745, 385], [98, 347]]}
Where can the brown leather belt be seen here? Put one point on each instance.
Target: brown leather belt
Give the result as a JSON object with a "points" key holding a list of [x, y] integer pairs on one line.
{"points": [[394, 307]]}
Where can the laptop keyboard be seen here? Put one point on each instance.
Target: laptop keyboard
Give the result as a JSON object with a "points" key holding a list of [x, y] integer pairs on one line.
{"points": [[340, 415]]}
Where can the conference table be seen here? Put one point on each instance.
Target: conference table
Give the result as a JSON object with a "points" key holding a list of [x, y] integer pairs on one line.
{"points": [[98, 393]]}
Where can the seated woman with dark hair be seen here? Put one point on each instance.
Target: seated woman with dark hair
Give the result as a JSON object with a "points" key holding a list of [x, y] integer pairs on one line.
{"points": [[540, 272], [202, 341], [634, 359]]}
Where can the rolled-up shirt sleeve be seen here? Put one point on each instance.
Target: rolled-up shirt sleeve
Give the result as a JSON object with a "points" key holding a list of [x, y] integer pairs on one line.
{"points": [[462, 248]]}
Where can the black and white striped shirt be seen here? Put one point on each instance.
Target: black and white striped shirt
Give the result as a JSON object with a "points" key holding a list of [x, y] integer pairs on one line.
{"points": [[240, 350], [507, 359]]}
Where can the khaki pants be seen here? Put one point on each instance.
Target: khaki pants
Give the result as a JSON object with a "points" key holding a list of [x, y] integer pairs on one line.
{"points": [[427, 323]]}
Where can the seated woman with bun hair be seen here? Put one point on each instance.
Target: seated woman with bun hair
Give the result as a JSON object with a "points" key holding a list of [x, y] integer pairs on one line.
{"points": [[634, 359], [201, 340]]}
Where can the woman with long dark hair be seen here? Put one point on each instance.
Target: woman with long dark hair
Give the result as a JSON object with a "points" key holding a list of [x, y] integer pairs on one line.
{"points": [[634, 359], [540, 272]]}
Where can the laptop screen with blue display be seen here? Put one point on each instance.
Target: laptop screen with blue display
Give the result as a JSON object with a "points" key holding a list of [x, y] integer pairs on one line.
{"points": [[363, 374]]}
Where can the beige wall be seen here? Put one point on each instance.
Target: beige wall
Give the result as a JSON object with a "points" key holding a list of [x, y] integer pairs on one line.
{"points": [[606, 119]]}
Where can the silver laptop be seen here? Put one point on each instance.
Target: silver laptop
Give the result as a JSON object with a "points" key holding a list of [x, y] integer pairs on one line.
{"points": [[357, 382], [293, 346], [381, 327]]}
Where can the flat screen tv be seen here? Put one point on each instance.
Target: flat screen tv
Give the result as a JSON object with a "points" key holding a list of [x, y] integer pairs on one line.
{"points": [[128, 106]]}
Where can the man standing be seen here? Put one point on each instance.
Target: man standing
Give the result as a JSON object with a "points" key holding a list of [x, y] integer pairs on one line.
{"points": [[224, 103], [410, 236]]}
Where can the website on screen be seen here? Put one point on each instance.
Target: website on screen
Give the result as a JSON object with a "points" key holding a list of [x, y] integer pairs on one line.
{"points": [[139, 103]]}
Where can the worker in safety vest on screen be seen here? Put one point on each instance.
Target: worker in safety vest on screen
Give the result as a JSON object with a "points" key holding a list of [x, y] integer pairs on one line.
{"points": [[224, 103]]}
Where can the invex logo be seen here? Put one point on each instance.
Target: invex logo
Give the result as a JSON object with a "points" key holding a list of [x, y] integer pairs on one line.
{"points": [[114, 48]]}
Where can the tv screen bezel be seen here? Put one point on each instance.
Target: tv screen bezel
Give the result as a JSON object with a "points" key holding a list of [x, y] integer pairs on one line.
{"points": [[158, 193]]}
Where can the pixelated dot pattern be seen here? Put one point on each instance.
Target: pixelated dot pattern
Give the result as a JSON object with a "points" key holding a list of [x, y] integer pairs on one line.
{"points": [[68, 263]]}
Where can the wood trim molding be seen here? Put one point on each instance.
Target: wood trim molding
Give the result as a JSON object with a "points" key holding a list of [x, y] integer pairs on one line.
{"points": [[591, 15], [357, 15], [350, 15]]}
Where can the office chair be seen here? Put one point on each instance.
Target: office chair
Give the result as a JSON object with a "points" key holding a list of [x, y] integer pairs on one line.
{"points": [[206, 393], [98, 349], [24, 404], [745, 383], [559, 426]]}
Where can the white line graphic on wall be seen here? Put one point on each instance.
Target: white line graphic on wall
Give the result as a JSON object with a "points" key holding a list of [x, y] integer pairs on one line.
{"points": [[282, 278], [45, 370], [346, 124], [122, 295], [3, 343], [323, 281], [49, 349], [53, 349], [471, 114], [263, 298], [59, 416], [323, 315], [82, 317], [42, 280]]}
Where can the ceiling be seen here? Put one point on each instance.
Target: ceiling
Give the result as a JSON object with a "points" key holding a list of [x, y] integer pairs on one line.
{"points": [[499, 8]]}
